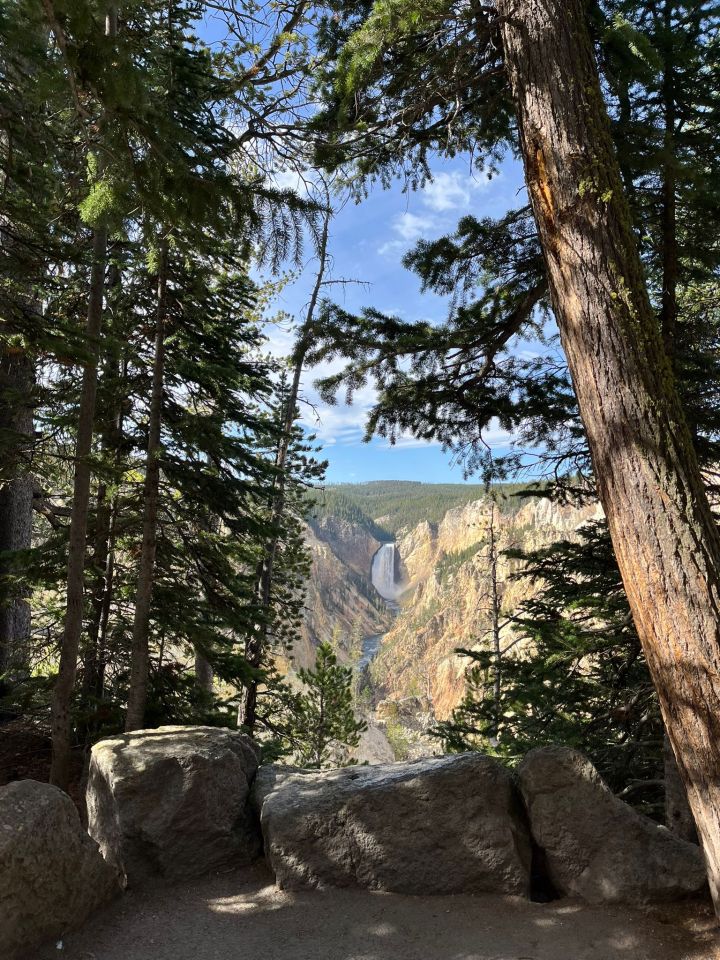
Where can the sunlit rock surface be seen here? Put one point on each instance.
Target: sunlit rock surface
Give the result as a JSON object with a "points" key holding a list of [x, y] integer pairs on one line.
{"points": [[442, 825], [173, 801]]}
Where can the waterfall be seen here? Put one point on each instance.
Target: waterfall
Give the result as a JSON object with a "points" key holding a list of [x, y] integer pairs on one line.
{"points": [[382, 573]]}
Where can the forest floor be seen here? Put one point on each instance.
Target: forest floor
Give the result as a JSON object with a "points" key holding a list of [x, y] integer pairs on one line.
{"points": [[242, 916]]}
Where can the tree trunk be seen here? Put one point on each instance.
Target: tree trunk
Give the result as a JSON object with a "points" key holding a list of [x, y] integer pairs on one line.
{"points": [[495, 624], [663, 533], [256, 644], [670, 253], [65, 684], [137, 697], [203, 673], [113, 380], [61, 722], [17, 380]]}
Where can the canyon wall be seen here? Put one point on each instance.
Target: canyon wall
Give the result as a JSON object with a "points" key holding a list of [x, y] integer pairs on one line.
{"points": [[341, 601], [448, 604]]}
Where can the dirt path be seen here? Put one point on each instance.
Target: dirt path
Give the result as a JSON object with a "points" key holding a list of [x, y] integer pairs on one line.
{"points": [[241, 916]]}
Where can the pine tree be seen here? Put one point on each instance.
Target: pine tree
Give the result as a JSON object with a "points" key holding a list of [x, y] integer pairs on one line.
{"points": [[319, 724]]}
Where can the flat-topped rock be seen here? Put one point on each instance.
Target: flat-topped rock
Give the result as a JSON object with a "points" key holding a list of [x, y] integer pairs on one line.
{"points": [[440, 825], [597, 847], [173, 801], [52, 875]]}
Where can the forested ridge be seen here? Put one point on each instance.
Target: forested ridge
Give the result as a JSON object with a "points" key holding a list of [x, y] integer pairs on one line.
{"points": [[158, 475], [391, 505]]}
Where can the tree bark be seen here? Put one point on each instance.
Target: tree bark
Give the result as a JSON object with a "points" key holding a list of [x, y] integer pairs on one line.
{"points": [[203, 672], [670, 252], [140, 661], [663, 533]]}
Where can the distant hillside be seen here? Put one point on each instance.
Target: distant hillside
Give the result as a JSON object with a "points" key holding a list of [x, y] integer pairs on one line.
{"points": [[385, 506]]}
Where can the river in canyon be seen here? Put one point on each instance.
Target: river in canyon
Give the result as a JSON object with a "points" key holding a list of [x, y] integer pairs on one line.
{"points": [[384, 577]]}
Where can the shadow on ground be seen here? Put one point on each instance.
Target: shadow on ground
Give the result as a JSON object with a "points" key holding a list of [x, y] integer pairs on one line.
{"points": [[241, 916]]}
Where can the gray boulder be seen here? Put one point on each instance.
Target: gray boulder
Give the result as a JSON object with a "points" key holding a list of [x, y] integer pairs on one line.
{"points": [[52, 875], [173, 801], [595, 846], [436, 826]]}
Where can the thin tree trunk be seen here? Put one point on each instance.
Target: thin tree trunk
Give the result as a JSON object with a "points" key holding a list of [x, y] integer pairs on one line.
{"points": [[17, 380], [61, 723], [495, 613], [670, 253], [65, 684], [114, 375], [139, 666], [256, 644], [663, 533]]}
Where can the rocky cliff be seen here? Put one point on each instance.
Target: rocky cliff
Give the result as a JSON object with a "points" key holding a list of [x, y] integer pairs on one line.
{"points": [[341, 602], [417, 676], [449, 604]]}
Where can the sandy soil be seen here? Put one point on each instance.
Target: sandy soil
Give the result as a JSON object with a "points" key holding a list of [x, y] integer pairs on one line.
{"points": [[241, 916]]}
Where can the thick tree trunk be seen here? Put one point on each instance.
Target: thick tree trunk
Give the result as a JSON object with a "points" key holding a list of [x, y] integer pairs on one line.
{"points": [[670, 252], [664, 536], [203, 673], [139, 666], [17, 380]]}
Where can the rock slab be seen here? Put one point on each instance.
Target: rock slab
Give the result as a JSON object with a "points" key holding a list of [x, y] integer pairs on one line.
{"points": [[595, 846], [52, 875], [436, 826], [173, 801]]}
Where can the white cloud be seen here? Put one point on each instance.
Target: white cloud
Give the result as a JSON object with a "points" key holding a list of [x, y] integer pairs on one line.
{"points": [[494, 435], [337, 423], [409, 227], [302, 182], [451, 191], [442, 198], [446, 191]]}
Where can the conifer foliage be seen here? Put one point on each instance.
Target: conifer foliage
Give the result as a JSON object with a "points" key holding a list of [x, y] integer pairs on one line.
{"points": [[138, 408]]}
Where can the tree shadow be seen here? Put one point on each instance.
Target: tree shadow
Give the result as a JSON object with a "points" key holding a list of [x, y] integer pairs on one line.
{"points": [[243, 915]]}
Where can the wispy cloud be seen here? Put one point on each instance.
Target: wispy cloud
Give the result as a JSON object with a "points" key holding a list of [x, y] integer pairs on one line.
{"points": [[408, 228], [441, 199], [452, 191]]}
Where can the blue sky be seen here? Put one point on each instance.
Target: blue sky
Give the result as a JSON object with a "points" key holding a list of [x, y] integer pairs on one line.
{"points": [[368, 240], [367, 243]]}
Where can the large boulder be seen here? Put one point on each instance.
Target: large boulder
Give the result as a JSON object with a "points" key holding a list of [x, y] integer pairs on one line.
{"points": [[435, 826], [173, 801], [595, 846], [52, 875]]}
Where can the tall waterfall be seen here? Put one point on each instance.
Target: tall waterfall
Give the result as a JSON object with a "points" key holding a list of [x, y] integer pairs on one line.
{"points": [[382, 573]]}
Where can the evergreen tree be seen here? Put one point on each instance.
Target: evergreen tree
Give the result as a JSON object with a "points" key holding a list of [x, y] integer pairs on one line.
{"points": [[579, 677], [319, 723]]}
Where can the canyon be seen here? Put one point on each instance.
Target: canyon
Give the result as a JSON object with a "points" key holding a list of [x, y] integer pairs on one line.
{"points": [[416, 593]]}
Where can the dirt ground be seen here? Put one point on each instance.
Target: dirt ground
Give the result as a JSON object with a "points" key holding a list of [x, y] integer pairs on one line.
{"points": [[242, 916]]}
